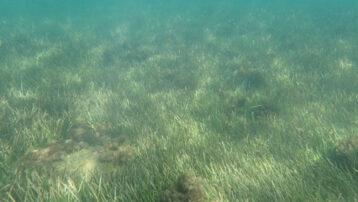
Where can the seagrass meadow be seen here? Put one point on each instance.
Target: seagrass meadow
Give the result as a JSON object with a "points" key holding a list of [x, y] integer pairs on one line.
{"points": [[178, 101]]}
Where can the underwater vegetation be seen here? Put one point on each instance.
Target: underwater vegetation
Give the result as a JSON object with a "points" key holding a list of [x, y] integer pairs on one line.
{"points": [[206, 105], [176, 79], [250, 78], [125, 53]]}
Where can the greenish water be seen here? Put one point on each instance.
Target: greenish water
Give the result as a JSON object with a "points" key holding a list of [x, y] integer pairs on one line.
{"points": [[178, 100]]}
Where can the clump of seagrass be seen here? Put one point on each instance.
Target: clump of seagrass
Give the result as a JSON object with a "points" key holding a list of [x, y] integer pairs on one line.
{"points": [[346, 153], [188, 188]]}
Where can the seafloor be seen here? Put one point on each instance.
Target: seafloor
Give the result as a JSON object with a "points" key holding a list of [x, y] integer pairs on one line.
{"points": [[257, 104]]}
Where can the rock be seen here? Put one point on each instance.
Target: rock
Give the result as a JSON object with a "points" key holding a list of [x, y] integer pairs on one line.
{"points": [[346, 153], [188, 188]]}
